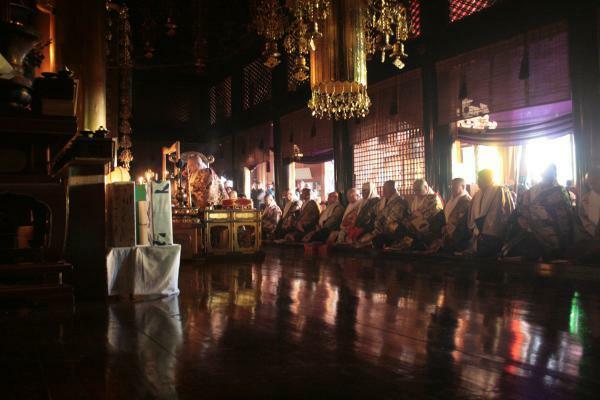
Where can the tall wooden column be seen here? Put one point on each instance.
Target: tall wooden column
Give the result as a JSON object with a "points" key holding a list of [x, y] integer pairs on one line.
{"points": [[585, 83], [437, 140], [342, 155], [81, 45], [281, 170]]}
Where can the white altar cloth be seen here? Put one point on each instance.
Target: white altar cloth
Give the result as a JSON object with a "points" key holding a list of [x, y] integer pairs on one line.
{"points": [[143, 270]]}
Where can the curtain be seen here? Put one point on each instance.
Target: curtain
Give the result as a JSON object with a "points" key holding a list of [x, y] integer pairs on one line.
{"points": [[252, 145], [527, 70], [518, 135], [313, 136], [396, 105]]}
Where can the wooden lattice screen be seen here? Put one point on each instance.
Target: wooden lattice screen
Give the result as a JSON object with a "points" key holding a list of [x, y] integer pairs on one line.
{"points": [[256, 84], [460, 9], [397, 156], [220, 101], [414, 16]]}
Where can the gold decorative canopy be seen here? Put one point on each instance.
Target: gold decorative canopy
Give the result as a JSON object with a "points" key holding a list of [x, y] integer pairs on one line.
{"points": [[338, 73]]}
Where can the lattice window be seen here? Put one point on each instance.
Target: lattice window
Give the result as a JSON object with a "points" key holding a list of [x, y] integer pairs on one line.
{"points": [[397, 156], [220, 101], [256, 84], [414, 18], [460, 9]]}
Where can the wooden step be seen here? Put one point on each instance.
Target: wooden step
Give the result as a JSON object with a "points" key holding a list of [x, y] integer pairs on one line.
{"points": [[37, 293], [35, 268]]}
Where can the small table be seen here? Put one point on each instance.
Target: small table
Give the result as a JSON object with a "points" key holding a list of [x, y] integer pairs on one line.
{"points": [[143, 270]]}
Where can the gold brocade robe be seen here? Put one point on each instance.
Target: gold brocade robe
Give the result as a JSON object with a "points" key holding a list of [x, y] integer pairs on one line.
{"points": [[391, 216], [546, 212], [423, 211], [308, 218], [206, 188], [270, 218]]}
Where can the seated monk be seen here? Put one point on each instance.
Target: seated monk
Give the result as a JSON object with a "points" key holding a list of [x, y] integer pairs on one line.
{"points": [[544, 221], [589, 210], [291, 208], [392, 214], [588, 246], [270, 217], [307, 219], [349, 217], [455, 234], [490, 211], [367, 213], [329, 220], [426, 218]]}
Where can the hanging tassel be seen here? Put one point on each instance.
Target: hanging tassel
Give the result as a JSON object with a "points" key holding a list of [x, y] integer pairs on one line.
{"points": [[221, 152], [268, 166], [261, 144], [313, 129], [524, 69]]}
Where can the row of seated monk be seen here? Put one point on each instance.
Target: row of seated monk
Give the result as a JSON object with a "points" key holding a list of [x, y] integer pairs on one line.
{"points": [[540, 223]]}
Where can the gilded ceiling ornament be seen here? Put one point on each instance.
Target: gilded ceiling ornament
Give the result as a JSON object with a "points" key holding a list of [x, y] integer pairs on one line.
{"points": [[338, 74], [386, 30]]}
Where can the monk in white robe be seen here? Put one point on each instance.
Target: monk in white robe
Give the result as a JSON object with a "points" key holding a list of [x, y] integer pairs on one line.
{"points": [[424, 224], [290, 211], [270, 217], [349, 218], [491, 209], [455, 234], [367, 213], [329, 220]]}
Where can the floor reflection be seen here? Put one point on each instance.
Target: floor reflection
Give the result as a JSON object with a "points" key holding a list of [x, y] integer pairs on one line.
{"points": [[463, 331], [351, 327]]}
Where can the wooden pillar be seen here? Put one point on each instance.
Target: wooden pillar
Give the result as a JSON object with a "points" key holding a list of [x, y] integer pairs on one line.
{"points": [[438, 147], [281, 170], [342, 156], [80, 45], [585, 81]]}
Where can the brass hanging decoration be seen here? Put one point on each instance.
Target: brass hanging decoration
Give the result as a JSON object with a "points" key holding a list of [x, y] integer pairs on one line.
{"points": [[386, 30], [338, 73], [304, 29], [269, 22], [125, 63]]}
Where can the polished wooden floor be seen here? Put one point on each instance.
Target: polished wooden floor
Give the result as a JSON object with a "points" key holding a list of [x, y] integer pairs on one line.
{"points": [[343, 327]]}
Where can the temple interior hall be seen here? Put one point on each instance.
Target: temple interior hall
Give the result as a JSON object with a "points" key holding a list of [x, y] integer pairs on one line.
{"points": [[299, 199]]}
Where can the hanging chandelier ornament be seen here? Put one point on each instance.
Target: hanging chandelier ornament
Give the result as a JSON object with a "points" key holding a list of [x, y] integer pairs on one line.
{"points": [[386, 30], [304, 29], [338, 74], [269, 23]]}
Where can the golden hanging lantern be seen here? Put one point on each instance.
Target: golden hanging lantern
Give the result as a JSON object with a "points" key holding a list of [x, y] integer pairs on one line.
{"points": [[338, 73]]}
